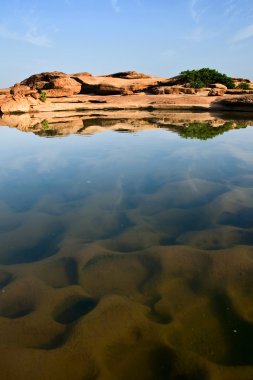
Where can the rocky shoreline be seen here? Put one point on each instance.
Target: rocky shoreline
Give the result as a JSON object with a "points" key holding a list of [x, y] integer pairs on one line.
{"points": [[57, 91]]}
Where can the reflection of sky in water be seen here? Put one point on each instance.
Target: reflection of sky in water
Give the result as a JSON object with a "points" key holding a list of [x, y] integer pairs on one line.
{"points": [[98, 186]]}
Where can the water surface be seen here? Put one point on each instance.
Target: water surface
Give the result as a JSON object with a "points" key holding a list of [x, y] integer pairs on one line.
{"points": [[126, 254]]}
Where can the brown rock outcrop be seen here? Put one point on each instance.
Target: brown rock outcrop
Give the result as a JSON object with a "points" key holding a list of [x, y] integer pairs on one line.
{"points": [[65, 83], [56, 84], [102, 89], [84, 73], [238, 91], [216, 92], [39, 81], [15, 104], [238, 81], [246, 100], [58, 92], [4, 91], [174, 81], [114, 86], [172, 90], [129, 75], [21, 90], [219, 85], [238, 103]]}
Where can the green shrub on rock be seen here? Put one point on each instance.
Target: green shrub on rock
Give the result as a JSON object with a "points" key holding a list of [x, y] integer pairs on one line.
{"points": [[205, 77]]}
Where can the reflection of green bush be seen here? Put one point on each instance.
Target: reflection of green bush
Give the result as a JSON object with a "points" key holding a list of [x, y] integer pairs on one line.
{"points": [[47, 130], [45, 125], [205, 131], [204, 77]]}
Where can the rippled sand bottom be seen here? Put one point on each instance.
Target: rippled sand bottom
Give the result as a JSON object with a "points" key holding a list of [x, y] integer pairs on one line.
{"points": [[162, 313]]}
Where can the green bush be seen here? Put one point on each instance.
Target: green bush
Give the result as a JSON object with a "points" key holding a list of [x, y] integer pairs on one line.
{"points": [[197, 84], [243, 86], [205, 77], [43, 96]]}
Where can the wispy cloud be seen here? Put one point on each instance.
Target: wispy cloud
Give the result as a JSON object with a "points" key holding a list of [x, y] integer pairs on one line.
{"points": [[243, 34], [115, 5], [231, 7], [25, 26], [193, 10], [30, 36]]}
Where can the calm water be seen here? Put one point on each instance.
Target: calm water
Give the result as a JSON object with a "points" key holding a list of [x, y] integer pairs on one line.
{"points": [[126, 255]]}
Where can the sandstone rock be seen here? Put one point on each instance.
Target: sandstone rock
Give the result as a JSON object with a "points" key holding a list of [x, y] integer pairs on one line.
{"points": [[15, 104], [35, 81], [35, 95], [5, 91], [219, 85], [58, 93], [33, 100], [40, 85], [65, 83], [129, 75], [189, 91], [138, 87], [238, 81], [114, 86], [84, 73], [174, 81], [238, 91], [109, 89], [128, 92], [21, 89], [172, 90], [237, 103], [216, 92]]}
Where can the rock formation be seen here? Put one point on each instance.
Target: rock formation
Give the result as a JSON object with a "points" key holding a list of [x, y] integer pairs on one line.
{"points": [[84, 91]]}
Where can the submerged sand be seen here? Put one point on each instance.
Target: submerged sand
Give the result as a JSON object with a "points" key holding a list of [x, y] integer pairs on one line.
{"points": [[162, 312]]}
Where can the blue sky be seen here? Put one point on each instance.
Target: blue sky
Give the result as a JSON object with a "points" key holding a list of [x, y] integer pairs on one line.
{"points": [[159, 37]]}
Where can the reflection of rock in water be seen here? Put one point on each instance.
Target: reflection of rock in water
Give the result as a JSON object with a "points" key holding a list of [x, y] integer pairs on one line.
{"points": [[202, 125]]}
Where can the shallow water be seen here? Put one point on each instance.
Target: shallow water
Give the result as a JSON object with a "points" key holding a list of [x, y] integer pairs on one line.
{"points": [[126, 255]]}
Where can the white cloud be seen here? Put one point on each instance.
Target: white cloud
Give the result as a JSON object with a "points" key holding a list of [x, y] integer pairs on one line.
{"points": [[30, 36], [115, 5], [243, 34]]}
